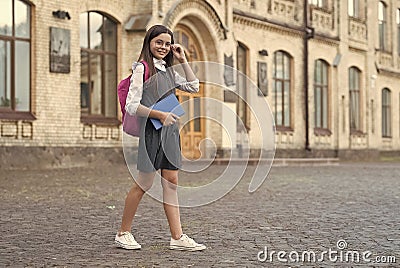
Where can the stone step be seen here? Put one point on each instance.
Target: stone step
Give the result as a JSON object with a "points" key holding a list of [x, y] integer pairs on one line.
{"points": [[276, 161]]}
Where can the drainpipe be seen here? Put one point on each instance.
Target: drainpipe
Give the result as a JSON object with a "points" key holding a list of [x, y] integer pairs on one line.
{"points": [[308, 34]]}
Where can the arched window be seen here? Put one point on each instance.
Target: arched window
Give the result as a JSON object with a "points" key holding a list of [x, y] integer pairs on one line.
{"points": [[321, 82], [382, 21], [354, 97], [282, 87], [386, 113], [98, 41], [15, 60]]}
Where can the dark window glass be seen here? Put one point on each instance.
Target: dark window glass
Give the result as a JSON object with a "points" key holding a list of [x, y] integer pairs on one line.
{"points": [[22, 83], [6, 18], [83, 30], [319, 3], [282, 89], [398, 30], [242, 84], [321, 94], [5, 74], [354, 92], [98, 40], [95, 30], [22, 19], [382, 26], [354, 8], [386, 113], [15, 62]]}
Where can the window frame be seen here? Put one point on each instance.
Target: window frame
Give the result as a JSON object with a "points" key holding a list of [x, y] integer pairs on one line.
{"points": [[355, 79], [386, 113], [323, 88], [356, 8], [10, 112], [322, 4], [382, 31], [242, 108], [102, 118], [284, 126], [398, 30]]}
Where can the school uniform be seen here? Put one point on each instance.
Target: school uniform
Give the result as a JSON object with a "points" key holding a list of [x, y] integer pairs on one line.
{"points": [[158, 149]]}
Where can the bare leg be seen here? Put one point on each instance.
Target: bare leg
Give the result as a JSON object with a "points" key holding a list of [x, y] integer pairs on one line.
{"points": [[170, 196], [132, 200]]}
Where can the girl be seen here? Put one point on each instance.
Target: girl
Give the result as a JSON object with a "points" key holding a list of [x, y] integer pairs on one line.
{"points": [[158, 149]]}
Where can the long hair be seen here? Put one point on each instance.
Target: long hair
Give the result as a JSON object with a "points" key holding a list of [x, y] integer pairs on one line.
{"points": [[146, 54]]}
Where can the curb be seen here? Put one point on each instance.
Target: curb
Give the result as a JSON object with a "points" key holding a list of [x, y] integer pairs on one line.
{"points": [[276, 161]]}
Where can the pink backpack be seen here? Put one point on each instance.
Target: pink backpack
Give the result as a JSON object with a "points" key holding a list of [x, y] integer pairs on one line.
{"points": [[130, 123]]}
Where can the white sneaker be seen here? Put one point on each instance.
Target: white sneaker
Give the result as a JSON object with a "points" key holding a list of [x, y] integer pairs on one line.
{"points": [[127, 241], [185, 243]]}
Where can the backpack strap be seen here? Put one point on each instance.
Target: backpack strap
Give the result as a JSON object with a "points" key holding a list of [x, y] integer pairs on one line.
{"points": [[146, 70]]}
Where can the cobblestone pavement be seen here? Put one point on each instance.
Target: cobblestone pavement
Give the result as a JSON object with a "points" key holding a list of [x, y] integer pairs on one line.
{"points": [[69, 217]]}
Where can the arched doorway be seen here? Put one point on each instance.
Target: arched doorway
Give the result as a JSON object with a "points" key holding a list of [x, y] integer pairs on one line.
{"points": [[192, 133]]}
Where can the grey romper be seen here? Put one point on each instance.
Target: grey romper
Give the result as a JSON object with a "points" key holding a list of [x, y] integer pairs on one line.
{"points": [[158, 149]]}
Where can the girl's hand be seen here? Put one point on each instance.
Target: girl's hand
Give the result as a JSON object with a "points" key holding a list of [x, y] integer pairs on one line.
{"points": [[168, 119], [178, 52]]}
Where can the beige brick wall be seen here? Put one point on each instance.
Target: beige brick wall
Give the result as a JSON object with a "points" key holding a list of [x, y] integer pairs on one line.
{"points": [[56, 96], [354, 52]]}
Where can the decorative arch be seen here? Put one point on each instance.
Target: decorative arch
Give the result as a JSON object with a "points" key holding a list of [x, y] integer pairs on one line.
{"points": [[284, 52], [355, 68], [183, 8], [323, 60], [103, 13], [384, 3]]}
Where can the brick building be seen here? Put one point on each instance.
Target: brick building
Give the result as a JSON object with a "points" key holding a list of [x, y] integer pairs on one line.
{"points": [[332, 72]]}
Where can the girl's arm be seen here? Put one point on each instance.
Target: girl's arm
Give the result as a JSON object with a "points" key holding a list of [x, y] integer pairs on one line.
{"points": [[164, 117], [185, 85], [133, 106], [191, 83]]}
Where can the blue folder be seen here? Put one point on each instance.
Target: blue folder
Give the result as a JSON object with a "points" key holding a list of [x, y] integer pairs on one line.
{"points": [[168, 104]]}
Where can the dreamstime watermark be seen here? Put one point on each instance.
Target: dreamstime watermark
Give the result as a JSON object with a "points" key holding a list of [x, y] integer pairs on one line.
{"points": [[340, 254]]}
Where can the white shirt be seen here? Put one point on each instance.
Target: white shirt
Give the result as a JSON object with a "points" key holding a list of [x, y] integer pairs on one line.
{"points": [[136, 85]]}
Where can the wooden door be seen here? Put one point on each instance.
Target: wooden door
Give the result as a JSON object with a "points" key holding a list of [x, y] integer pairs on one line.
{"points": [[192, 132]]}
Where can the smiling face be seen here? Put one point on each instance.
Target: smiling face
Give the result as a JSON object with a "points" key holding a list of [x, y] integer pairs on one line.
{"points": [[160, 45]]}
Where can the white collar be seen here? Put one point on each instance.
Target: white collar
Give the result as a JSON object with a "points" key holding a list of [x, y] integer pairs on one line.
{"points": [[159, 64]]}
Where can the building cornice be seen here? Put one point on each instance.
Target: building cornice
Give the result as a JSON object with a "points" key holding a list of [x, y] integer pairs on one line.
{"points": [[387, 72], [357, 50], [256, 21], [327, 40]]}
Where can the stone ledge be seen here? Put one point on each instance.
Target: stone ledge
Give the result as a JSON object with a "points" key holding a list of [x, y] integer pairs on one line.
{"points": [[41, 157], [276, 161]]}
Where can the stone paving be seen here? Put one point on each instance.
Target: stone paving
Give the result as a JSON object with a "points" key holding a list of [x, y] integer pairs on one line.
{"points": [[69, 217]]}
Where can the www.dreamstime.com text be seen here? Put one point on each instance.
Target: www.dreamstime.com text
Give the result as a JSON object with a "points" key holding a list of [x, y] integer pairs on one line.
{"points": [[338, 255]]}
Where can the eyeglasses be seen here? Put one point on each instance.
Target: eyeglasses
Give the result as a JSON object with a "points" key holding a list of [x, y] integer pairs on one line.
{"points": [[160, 44]]}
